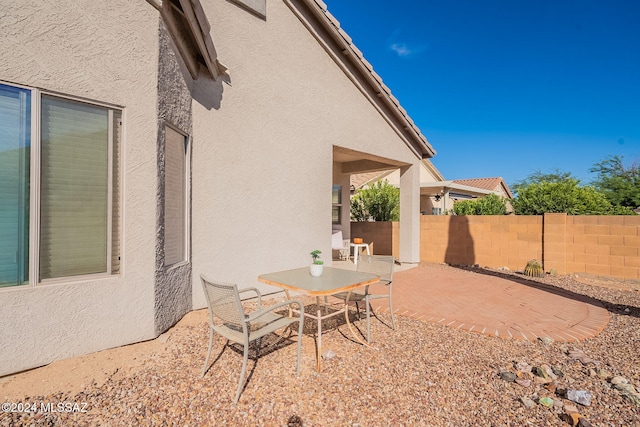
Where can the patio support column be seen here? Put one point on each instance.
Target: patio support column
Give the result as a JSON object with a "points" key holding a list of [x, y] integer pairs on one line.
{"points": [[410, 214]]}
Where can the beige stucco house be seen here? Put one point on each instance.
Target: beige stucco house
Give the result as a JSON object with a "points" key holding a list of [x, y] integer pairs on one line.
{"points": [[146, 142]]}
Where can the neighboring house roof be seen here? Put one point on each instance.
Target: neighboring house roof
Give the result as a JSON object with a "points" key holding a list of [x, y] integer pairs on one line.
{"points": [[361, 73], [359, 180], [491, 184]]}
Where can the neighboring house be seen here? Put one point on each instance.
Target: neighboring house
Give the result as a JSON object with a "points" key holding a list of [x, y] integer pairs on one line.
{"points": [[133, 160], [495, 185], [437, 195], [442, 195]]}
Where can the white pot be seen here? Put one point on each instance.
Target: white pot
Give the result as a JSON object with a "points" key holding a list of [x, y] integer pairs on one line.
{"points": [[316, 270]]}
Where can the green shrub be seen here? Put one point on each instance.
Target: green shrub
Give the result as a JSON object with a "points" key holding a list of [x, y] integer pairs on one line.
{"points": [[488, 205]]}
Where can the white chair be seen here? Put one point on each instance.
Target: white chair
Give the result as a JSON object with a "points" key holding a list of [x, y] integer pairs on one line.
{"points": [[228, 318], [341, 245]]}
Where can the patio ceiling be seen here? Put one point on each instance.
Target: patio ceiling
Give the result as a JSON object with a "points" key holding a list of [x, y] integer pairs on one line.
{"points": [[353, 162]]}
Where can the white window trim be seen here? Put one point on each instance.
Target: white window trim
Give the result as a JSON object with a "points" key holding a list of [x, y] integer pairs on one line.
{"points": [[187, 204]]}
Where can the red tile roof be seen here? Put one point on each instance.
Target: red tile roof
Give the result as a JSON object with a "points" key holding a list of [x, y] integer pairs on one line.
{"points": [[490, 184]]}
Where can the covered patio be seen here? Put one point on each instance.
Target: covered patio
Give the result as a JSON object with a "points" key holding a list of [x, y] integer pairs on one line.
{"points": [[347, 162]]}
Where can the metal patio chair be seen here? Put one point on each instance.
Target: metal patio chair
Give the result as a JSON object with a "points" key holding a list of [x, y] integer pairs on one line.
{"points": [[228, 318], [381, 265]]}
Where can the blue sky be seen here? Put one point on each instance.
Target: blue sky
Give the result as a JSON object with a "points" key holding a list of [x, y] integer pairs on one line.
{"points": [[507, 87]]}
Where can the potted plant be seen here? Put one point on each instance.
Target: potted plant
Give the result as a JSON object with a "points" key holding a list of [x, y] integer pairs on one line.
{"points": [[317, 266]]}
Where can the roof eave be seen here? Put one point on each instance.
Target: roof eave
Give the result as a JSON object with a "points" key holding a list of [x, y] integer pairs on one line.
{"points": [[198, 25]]}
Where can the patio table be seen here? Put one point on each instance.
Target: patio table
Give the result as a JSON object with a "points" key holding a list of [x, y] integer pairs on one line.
{"points": [[333, 280]]}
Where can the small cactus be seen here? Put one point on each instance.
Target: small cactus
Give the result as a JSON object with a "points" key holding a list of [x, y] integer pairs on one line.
{"points": [[533, 269]]}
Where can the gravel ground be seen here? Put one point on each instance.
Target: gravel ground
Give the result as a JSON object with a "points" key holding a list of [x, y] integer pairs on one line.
{"points": [[422, 374]]}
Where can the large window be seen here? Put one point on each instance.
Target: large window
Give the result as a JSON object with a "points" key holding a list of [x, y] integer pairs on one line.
{"points": [[59, 187]]}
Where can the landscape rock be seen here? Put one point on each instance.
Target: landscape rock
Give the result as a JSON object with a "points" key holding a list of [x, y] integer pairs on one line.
{"points": [[568, 407], [571, 418], [328, 354], [603, 373], [582, 397], [508, 376], [571, 415], [545, 372], [546, 401], [633, 398], [550, 372], [627, 390], [541, 381], [546, 340], [551, 387], [580, 355], [528, 403], [557, 372], [619, 380]]}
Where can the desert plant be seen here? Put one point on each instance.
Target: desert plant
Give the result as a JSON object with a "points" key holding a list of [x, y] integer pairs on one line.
{"points": [[380, 201], [491, 204], [315, 256], [534, 269]]}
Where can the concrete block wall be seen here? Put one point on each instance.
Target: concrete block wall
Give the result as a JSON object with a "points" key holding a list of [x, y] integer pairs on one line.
{"points": [[603, 245], [378, 233], [496, 241], [598, 245]]}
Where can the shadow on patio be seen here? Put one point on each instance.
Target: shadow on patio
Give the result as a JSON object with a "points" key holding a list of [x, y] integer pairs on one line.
{"points": [[499, 304]]}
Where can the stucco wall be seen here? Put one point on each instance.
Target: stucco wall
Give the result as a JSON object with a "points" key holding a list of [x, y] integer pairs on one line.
{"points": [[262, 162], [262, 159], [104, 52], [172, 284]]}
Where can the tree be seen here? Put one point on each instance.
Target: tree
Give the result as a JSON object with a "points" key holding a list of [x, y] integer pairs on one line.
{"points": [[379, 202], [561, 193], [620, 185], [538, 177], [491, 204]]}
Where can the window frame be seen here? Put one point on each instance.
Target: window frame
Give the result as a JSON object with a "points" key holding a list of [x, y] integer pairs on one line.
{"points": [[35, 169], [186, 199], [336, 204]]}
